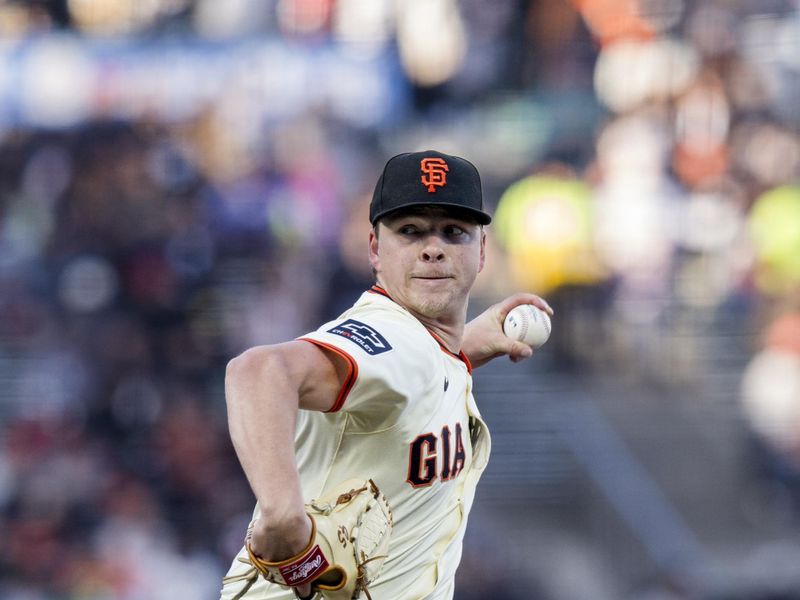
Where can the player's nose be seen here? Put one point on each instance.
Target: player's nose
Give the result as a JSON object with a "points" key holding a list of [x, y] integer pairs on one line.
{"points": [[432, 252]]}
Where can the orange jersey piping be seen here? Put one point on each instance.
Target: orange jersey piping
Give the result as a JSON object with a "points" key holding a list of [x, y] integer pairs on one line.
{"points": [[460, 356], [352, 372], [376, 289]]}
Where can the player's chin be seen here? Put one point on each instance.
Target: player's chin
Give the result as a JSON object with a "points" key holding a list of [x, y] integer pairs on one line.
{"points": [[434, 304]]}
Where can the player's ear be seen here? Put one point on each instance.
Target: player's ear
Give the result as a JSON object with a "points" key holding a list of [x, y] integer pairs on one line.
{"points": [[373, 248]]}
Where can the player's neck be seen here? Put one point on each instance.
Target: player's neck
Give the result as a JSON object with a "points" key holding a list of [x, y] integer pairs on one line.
{"points": [[448, 328], [448, 334]]}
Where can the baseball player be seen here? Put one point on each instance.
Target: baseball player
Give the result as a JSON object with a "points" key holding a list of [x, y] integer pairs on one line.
{"points": [[384, 392]]}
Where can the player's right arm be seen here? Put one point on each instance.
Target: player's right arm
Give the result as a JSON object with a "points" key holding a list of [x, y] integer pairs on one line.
{"points": [[264, 388]]}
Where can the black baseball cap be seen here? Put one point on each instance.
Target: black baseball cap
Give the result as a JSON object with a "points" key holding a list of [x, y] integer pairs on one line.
{"points": [[428, 178]]}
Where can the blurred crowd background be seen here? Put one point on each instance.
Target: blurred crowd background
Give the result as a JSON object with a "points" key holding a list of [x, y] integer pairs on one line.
{"points": [[182, 179]]}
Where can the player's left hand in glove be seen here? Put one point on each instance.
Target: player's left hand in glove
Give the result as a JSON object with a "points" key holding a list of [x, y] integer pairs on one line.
{"points": [[351, 525]]}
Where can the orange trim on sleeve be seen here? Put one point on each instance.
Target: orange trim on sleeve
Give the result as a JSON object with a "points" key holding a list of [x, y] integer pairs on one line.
{"points": [[352, 373]]}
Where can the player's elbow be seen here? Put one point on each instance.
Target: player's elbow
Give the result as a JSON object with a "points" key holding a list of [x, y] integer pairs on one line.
{"points": [[239, 365], [247, 370]]}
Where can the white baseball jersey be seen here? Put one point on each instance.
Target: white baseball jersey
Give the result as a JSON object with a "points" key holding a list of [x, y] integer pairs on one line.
{"points": [[406, 418]]}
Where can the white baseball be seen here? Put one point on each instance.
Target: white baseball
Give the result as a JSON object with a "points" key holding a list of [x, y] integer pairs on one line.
{"points": [[529, 324]]}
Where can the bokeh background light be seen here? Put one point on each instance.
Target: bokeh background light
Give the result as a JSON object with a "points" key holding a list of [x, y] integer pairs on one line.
{"points": [[182, 179]]}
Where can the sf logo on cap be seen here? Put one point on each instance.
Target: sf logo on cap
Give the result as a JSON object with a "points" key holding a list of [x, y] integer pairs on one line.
{"points": [[434, 172]]}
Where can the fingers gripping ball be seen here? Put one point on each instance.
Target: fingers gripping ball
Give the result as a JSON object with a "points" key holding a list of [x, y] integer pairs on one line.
{"points": [[349, 543], [529, 324]]}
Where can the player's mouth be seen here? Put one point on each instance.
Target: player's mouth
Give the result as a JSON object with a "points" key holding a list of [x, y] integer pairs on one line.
{"points": [[432, 277]]}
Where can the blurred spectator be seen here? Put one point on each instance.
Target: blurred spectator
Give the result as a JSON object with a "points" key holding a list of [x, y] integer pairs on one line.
{"points": [[545, 223], [776, 237], [349, 270], [771, 402]]}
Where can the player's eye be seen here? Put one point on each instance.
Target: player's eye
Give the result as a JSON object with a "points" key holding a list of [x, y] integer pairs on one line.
{"points": [[453, 231], [408, 229]]}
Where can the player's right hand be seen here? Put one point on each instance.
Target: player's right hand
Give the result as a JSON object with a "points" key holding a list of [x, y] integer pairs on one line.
{"points": [[275, 540], [484, 339]]}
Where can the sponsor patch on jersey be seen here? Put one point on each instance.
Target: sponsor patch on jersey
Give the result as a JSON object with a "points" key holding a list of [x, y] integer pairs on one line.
{"points": [[365, 336]]}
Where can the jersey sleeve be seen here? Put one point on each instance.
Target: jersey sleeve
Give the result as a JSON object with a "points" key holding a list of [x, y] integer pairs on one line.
{"points": [[388, 365]]}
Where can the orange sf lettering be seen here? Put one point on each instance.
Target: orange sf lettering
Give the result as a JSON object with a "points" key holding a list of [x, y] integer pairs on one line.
{"points": [[434, 172]]}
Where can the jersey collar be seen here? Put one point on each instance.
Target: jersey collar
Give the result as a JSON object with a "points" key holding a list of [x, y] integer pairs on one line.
{"points": [[376, 289]]}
